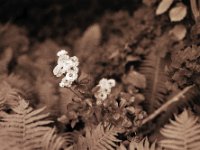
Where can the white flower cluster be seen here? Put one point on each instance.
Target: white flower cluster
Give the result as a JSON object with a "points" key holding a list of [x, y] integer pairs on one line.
{"points": [[67, 66], [105, 86]]}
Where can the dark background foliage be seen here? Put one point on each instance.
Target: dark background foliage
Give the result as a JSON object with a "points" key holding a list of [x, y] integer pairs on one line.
{"points": [[59, 14]]}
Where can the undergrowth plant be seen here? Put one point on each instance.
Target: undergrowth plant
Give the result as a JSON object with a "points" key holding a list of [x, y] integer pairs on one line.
{"points": [[143, 96], [29, 128]]}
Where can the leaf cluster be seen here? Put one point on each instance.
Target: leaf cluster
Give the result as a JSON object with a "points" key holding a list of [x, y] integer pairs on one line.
{"points": [[184, 67]]}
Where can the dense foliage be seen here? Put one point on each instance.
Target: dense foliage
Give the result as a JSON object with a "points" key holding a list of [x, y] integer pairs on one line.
{"points": [[132, 82]]}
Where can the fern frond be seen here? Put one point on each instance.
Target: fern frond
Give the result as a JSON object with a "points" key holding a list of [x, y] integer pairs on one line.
{"points": [[53, 141], [8, 145], [13, 86], [8, 95], [103, 138], [99, 139], [24, 87], [47, 95], [142, 145], [182, 134], [25, 126], [81, 144], [153, 68]]}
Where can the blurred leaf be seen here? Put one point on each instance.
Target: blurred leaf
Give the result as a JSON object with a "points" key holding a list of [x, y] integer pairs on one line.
{"points": [[14, 37], [92, 35], [136, 79], [179, 31], [131, 58], [142, 145], [178, 12], [163, 6], [86, 47], [130, 109], [138, 98], [153, 69]]}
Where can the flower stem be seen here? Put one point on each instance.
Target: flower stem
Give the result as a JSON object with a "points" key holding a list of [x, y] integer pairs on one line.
{"points": [[164, 107], [76, 93]]}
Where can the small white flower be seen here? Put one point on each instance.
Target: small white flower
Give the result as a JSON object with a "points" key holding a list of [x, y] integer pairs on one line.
{"points": [[70, 76], [99, 102], [72, 69], [59, 70], [62, 52], [103, 82], [112, 82], [101, 95], [75, 60], [62, 84], [63, 59], [67, 66], [65, 83], [105, 86], [106, 90]]}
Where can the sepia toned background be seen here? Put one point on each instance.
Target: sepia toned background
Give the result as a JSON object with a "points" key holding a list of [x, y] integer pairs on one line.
{"points": [[137, 83]]}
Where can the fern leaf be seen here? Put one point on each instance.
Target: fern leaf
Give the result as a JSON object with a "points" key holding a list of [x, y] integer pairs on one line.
{"points": [[142, 145], [104, 138], [99, 139], [182, 134], [70, 148], [52, 141], [153, 68], [11, 88], [8, 145], [24, 86], [8, 95], [47, 95], [81, 144], [25, 126]]}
